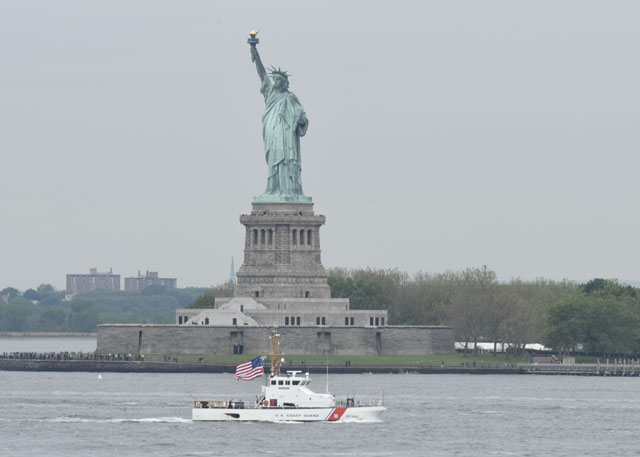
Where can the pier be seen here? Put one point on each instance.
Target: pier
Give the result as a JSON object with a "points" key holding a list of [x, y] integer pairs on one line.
{"points": [[619, 368]]}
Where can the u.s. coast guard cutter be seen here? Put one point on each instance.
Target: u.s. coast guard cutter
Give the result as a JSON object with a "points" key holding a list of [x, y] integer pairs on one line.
{"points": [[288, 398]]}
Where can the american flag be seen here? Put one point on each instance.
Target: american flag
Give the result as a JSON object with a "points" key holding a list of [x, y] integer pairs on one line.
{"points": [[251, 370]]}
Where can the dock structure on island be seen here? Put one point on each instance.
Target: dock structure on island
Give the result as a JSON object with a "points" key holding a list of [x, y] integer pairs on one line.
{"points": [[617, 368]]}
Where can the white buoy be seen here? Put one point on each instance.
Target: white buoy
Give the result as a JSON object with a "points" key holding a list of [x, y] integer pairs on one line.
{"points": [[99, 376]]}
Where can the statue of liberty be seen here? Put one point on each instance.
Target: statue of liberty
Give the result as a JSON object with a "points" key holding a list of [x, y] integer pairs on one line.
{"points": [[283, 123]]}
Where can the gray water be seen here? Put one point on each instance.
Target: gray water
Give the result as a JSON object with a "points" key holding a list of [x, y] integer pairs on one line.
{"points": [[77, 414], [38, 344]]}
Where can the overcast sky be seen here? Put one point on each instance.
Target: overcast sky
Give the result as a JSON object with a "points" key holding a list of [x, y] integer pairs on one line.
{"points": [[442, 135]]}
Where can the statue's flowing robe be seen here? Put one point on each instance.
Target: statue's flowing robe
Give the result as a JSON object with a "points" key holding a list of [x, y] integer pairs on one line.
{"points": [[283, 123]]}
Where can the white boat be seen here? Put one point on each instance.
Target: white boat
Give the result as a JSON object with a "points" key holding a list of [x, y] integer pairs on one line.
{"points": [[288, 398]]}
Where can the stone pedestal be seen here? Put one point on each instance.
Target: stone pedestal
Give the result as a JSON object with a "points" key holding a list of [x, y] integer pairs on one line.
{"points": [[282, 252]]}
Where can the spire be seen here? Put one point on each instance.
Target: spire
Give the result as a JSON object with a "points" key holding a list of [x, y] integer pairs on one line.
{"points": [[232, 273]]}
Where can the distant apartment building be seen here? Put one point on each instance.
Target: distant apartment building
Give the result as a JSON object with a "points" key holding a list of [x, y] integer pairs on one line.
{"points": [[149, 279], [77, 283]]}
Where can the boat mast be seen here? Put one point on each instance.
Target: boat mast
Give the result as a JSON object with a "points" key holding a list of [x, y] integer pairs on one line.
{"points": [[327, 377], [276, 360]]}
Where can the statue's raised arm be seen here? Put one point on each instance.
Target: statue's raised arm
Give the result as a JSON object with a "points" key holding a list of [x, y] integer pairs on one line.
{"points": [[255, 57], [283, 123]]}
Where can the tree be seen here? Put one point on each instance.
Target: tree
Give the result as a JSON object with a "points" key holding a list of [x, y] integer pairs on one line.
{"points": [[18, 315], [525, 310], [369, 289], [31, 294], [154, 289], [135, 307], [52, 299], [521, 325], [48, 296], [53, 320], [205, 301], [83, 316], [341, 282], [604, 287], [470, 307], [426, 299], [10, 292], [45, 289], [566, 323], [186, 295], [604, 322], [610, 326], [497, 313]]}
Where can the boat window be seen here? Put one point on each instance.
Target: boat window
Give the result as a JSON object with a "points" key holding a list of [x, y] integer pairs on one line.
{"points": [[286, 383], [295, 383], [280, 383]]}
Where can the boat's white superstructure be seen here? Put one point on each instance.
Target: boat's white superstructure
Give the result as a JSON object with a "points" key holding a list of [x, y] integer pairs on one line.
{"points": [[288, 398]]}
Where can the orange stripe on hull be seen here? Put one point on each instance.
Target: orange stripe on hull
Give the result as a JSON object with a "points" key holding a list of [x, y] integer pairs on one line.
{"points": [[336, 414]]}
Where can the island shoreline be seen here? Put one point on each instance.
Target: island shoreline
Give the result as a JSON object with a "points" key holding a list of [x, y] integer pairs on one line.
{"points": [[121, 366]]}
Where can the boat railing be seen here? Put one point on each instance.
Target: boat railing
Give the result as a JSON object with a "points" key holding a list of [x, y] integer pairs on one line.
{"points": [[221, 404], [240, 404], [351, 403]]}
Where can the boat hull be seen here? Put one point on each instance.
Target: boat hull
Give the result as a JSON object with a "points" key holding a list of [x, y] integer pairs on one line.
{"points": [[351, 414]]}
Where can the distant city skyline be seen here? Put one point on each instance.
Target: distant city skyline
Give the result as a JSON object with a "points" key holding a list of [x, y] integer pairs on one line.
{"points": [[467, 133], [96, 279]]}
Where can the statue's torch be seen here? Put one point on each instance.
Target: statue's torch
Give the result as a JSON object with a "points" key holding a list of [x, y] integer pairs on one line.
{"points": [[253, 41]]}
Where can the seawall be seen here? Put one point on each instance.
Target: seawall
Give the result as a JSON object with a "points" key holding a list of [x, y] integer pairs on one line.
{"points": [[101, 366]]}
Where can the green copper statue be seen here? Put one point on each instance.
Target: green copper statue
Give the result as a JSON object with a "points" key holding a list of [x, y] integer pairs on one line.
{"points": [[283, 123]]}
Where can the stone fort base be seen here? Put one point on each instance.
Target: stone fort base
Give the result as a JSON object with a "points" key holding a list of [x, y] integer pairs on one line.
{"points": [[183, 340]]}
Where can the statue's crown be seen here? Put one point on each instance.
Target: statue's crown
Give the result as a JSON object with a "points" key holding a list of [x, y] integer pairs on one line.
{"points": [[277, 71]]}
